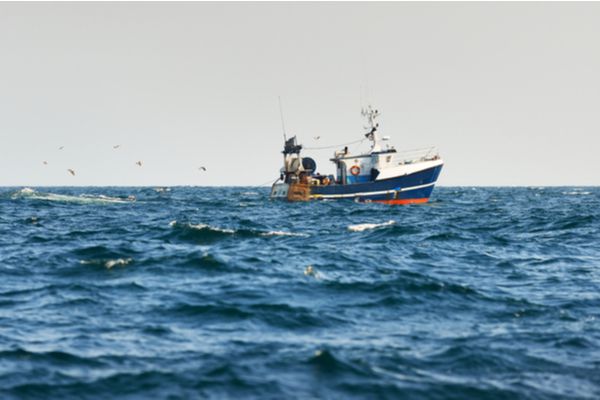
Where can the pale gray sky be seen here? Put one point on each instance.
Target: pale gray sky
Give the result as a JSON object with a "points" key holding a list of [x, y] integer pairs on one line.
{"points": [[508, 92]]}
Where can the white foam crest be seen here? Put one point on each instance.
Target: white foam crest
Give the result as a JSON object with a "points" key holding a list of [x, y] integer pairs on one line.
{"points": [[202, 227], [108, 263], [364, 227], [576, 193], [82, 199], [282, 233], [27, 191], [119, 261], [107, 199], [212, 228]]}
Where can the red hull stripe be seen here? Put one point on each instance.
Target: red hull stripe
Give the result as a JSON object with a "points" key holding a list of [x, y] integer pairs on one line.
{"points": [[402, 201]]}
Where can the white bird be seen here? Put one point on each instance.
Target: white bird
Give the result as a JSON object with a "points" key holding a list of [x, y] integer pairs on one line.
{"points": [[45, 162], [116, 146], [317, 137], [139, 163], [61, 147], [71, 171], [202, 168]]}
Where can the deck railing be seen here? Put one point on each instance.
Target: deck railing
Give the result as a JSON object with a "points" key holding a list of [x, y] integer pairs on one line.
{"points": [[415, 155]]}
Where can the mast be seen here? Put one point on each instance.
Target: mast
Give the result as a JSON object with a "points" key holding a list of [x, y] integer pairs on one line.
{"points": [[285, 141], [372, 135], [282, 123]]}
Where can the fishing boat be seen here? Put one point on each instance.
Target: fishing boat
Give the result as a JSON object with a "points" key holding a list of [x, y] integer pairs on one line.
{"points": [[381, 174]]}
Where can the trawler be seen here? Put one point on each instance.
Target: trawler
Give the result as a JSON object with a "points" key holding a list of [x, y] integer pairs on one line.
{"points": [[380, 175]]}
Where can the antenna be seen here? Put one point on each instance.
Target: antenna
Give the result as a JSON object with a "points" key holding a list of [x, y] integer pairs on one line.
{"points": [[361, 98], [282, 123], [366, 80]]}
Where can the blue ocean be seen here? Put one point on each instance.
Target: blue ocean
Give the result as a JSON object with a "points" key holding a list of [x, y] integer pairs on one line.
{"points": [[185, 292]]}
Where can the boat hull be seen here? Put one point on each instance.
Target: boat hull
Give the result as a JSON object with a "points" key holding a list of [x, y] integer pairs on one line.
{"points": [[411, 188]]}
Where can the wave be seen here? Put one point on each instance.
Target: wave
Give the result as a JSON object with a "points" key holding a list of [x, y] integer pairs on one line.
{"points": [[364, 227], [53, 357], [446, 236], [108, 263], [31, 194], [201, 227], [282, 233], [567, 224], [406, 287], [326, 362], [576, 191], [204, 260], [206, 231]]}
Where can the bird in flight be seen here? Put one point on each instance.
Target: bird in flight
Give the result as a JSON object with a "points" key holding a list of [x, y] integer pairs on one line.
{"points": [[71, 171], [316, 137], [61, 147], [139, 163], [45, 162], [202, 168], [116, 146]]}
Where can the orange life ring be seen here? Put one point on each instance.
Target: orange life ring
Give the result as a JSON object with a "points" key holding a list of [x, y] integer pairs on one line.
{"points": [[355, 170]]}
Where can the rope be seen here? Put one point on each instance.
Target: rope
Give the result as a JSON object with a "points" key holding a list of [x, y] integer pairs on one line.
{"points": [[335, 145], [271, 181]]}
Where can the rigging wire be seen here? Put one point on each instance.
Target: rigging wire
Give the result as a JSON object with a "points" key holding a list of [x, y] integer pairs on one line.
{"points": [[271, 181], [335, 145], [282, 123]]}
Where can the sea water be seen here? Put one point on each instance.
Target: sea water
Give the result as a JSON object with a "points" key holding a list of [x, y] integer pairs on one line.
{"points": [[490, 293]]}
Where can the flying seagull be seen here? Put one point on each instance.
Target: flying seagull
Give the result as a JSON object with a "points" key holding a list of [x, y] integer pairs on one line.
{"points": [[116, 146], [61, 147], [139, 163], [71, 171], [317, 137], [202, 168], [45, 162]]}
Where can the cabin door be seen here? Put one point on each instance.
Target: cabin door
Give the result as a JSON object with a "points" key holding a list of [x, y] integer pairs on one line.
{"points": [[342, 172]]}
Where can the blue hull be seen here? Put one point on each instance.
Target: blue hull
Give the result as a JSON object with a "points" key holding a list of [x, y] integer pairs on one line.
{"points": [[412, 188]]}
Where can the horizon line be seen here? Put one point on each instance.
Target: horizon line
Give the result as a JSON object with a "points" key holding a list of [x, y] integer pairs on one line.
{"points": [[265, 186]]}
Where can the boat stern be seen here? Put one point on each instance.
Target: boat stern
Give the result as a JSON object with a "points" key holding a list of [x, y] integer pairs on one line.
{"points": [[279, 191], [290, 192]]}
